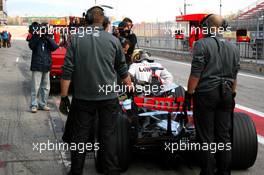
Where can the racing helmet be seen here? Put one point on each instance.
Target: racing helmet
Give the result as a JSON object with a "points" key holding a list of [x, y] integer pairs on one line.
{"points": [[139, 55]]}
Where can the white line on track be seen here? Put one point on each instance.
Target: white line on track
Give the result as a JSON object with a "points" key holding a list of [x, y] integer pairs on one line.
{"points": [[251, 76], [261, 114], [188, 64]]}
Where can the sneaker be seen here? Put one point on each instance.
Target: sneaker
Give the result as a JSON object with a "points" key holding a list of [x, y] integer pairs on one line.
{"points": [[44, 108], [34, 109]]}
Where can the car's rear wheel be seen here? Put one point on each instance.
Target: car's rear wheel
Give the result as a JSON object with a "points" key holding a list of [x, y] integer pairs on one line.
{"points": [[245, 142], [123, 147]]}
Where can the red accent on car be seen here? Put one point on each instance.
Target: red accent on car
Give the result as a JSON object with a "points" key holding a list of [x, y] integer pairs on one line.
{"points": [[160, 103], [57, 61]]}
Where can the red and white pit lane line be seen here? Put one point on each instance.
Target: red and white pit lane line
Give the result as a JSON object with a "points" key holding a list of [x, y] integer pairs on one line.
{"points": [[256, 116]]}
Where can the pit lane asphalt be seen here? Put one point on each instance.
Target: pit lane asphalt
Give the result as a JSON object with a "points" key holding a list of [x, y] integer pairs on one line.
{"points": [[19, 128]]}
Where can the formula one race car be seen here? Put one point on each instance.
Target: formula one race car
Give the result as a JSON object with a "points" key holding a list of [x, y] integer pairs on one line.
{"points": [[159, 121]]}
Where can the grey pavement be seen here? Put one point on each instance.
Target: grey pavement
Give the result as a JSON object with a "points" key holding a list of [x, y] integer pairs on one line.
{"points": [[19, 128]]}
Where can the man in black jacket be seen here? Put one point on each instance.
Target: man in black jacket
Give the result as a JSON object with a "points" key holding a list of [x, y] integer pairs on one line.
{"points": [[212, 83], [92, 63], [41, 45]]}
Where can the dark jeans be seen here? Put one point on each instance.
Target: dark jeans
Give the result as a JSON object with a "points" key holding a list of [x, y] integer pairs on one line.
{"points": [[213, 123], [5, 42], [8, 43], [80, 126]]}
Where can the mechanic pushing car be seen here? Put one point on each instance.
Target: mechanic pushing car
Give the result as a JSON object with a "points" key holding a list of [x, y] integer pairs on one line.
{"points": [[91, 62], [212, 84]]}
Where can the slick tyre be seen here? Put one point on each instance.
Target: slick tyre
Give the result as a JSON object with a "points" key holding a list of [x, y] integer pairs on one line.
{"points": [[245, 142], [123, 146]]}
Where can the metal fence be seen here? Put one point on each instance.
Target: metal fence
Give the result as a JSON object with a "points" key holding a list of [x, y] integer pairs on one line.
{"points": [[166, 43], [161, 36], [251, 52]]}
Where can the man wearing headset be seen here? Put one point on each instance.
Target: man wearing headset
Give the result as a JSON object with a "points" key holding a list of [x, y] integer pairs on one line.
{"points": [[212, 85], [91, 62]]}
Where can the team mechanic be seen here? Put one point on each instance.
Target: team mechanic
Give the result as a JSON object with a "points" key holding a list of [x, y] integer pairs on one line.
{"points": [[92, 61], [212, 84]]}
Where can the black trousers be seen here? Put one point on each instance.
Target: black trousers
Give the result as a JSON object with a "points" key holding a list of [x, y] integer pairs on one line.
{"points": [[5, 42], [213, 123], [80, 126]]}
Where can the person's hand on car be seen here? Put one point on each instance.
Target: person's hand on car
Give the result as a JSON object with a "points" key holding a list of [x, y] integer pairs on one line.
{"points": [[187, 101], [65, 105], [129, 84], [131, 88]]}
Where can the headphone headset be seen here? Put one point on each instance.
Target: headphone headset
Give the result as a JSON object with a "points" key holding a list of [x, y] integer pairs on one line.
{"points": [[206, 23], [89, 16]]}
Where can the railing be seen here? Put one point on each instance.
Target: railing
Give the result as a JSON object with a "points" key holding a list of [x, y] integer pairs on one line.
{"points": [[167, 43], [249, 8], [249, 52]]}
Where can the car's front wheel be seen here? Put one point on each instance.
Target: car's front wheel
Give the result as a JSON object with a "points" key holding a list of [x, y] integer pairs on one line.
{"points": [[123, 147]]}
